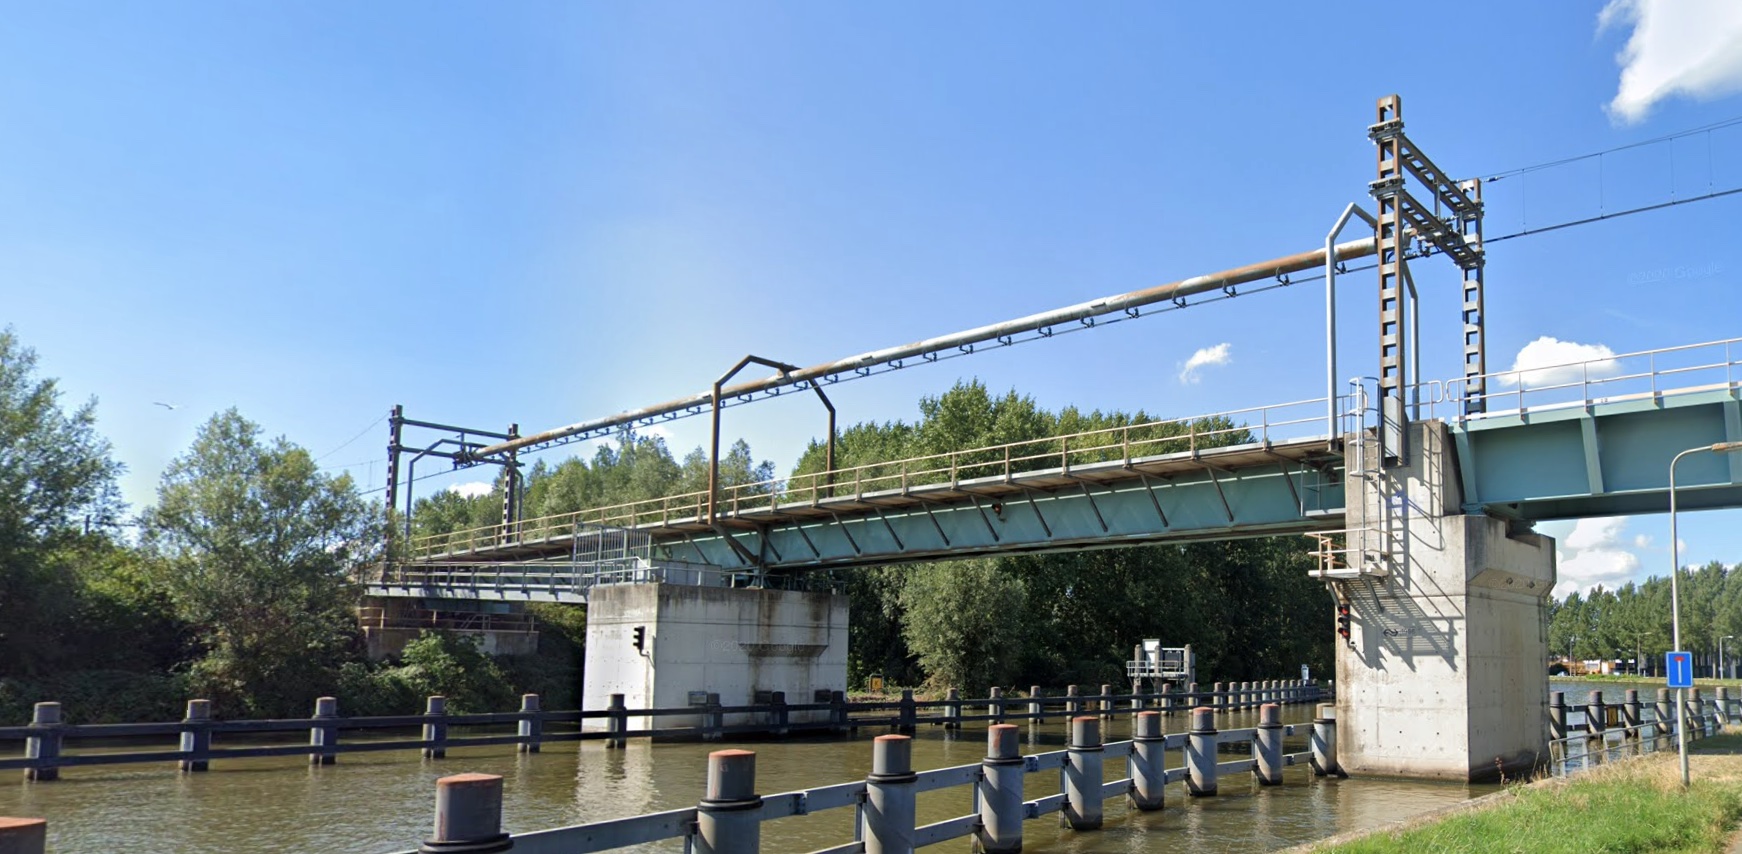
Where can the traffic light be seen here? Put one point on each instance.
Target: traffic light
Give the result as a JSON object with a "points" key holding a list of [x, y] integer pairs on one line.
{"points": [[641, 638], [1343, 621]]}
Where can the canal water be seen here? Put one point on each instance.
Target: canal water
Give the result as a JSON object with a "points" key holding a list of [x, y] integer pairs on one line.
{"points": [[381, 802]]}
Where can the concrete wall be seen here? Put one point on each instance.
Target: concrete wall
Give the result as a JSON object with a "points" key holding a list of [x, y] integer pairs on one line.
{"points": [[731, 642], [1444, 675]]}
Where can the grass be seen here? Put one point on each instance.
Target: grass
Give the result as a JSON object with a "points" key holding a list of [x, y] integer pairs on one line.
{"points": [[1632, 806]]}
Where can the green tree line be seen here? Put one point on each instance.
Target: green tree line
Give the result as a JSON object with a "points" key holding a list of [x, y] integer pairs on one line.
{"points": [[1633, 621]]}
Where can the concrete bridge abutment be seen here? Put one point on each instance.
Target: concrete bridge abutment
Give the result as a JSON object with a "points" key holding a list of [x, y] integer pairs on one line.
{"points": [[1443, 674]]}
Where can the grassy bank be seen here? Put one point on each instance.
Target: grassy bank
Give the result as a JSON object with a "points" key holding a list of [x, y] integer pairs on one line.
{"points": [[1631, 806]]}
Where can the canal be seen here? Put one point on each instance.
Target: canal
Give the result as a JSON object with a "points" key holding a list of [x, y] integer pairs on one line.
{"points": [[377, 802]]}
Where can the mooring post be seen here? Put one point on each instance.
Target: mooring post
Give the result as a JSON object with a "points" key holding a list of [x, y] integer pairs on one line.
{"points": [[1630, 716], [1557, 717], [714, 717], [1083, 763], [435, 727], [44, 743], [196, 737], [1165, 702], [909, 714], [1267, 747], [1324, 742], [1036, 708], [1219, 697], [1201, 753], [889, 796], [1073, 706], [995, 706], [1001, 809], [23, 835], [952, 709], [1191, 697], [1106, 702], [782, 715], [531, 729], [1148, 762], [1722, 706], [323, 732], [729, 818], [468, 816], [1596, 722], [1696, 706], [837, 708], [1664, 719], [617, 722]]}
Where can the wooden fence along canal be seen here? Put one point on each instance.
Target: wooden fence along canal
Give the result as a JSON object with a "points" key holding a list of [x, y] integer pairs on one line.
{"points": [[201, 740]]}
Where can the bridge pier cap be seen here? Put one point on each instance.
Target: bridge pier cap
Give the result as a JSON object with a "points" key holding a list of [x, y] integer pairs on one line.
{"points": [[1442, 676]]}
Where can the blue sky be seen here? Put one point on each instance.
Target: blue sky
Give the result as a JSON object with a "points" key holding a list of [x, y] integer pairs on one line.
{"points": [[548, 212]]}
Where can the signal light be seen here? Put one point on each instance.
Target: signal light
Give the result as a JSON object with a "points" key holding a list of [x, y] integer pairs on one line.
{"points": [[1343, 621], [641, 638]]}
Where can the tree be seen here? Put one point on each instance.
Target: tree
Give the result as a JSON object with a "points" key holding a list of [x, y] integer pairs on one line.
{"points": [[256, 548], [964, 621], [57, 482]]}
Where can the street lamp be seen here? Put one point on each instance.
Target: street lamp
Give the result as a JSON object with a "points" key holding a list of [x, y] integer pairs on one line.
{"points": [[1722, 670], [1675, 613]]}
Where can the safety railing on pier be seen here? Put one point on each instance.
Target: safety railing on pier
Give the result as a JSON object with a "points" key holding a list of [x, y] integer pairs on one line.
{"points": [[999, 790], [201, 739], [1580, 737], [1122, 443]]}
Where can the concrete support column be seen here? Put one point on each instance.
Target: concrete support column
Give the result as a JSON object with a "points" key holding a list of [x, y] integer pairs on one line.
{"points": [[1036, 709], [995, 705], [468, 816], [531, 726], [1001, 810], [324, 732], [23, 835], [952, 709], [1267, 746], [1630, 716], [617, 723], [729, 818], [1201, 753], [1148, 762], [1324, 742], [44, 742], [435, 728], [196, 737], [1557, 717], [889, 796], [1083, 763]]}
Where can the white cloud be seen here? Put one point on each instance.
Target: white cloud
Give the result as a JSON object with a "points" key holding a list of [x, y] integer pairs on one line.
{"points": [[1642, 541], [1550, 361], [1678, 47], [1204, 358], [472, 489], [1594, 553]]}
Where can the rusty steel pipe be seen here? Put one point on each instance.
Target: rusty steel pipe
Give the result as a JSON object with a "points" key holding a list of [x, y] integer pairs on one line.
{"points": [[1295, 263]]}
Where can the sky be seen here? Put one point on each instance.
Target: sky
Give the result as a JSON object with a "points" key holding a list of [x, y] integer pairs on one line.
{"points": [[540, 213]]}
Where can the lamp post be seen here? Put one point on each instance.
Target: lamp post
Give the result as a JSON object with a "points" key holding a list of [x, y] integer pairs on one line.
{"points": [[1675, 614], [1722, 670]]}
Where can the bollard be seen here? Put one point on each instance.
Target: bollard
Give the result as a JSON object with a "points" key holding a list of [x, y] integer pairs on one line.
{"points": [[1106, 702], [1630, 716], [909, 714], [729, 818], [952, 709], [1219, 699], [1083, 763], [1267, 747], [1596, 721], [889, 796], [1001, 809], [1665, 717], [435, 729], [1148, 762], [714, 716], [1246, 694], [23, 835], [1324, 742], [1201, 753], [324, 732], [531, 728], [782, 715], [1166, 702], [196, 736], [837, 709], [1722, 706], [995, 706], [1036, 709], [468, 816], [617, 722], [1696, 726], [44, 743], [1191, 697], [1557, 717], [1073, 706]]}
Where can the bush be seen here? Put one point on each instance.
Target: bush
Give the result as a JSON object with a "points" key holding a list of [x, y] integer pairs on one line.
{"points": [[97, 697]]}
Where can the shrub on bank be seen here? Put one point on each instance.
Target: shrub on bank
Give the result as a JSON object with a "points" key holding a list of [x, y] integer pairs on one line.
{"points": [[97, 696]]}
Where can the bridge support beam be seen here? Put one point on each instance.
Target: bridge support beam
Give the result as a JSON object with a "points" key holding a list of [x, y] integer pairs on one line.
{"points": [[671, 645], [1443, 674]]}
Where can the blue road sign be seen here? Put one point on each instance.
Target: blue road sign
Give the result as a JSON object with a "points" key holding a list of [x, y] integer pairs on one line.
{"points": [[1680, 667]]}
